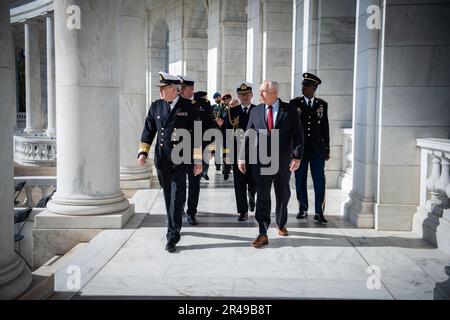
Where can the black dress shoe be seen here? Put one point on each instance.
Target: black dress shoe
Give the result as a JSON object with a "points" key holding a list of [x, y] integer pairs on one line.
{"points": [[243, 217], [320, 218], [192, 220], [170, 247], [302, 214], [205, 176], [226, 176]]}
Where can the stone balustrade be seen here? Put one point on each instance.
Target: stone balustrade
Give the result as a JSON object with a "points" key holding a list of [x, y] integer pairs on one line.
{"points": [[35, 149], [35, 188], [346, 176], [432, 219]]}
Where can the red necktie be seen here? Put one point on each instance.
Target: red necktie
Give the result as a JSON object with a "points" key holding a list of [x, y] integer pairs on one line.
{"points": [[270, 119]]}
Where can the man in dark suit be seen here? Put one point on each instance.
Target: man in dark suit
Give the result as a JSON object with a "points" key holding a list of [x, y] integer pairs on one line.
{"points": [[203, 107], [313, 113], [273, 114], [164, 117], [238, 120]]}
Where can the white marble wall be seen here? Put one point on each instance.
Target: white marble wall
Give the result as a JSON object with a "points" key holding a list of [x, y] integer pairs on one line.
{"points": [[254, 41], [227, 42], [164, 18], [15, 277], [158, 55], [325, 43], [186, 24], [195, 42], [277, 44]]}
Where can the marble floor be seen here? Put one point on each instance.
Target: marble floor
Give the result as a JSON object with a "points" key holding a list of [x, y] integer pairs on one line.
{"points": [[215, 258]]}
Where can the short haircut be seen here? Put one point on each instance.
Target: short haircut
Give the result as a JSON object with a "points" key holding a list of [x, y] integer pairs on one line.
{"points": [[272, 85]]}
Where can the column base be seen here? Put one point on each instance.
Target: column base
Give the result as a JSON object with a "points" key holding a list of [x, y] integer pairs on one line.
{"points": [[389, 217], [359, 212], [86, 205], [14, 280], [136, 184]]}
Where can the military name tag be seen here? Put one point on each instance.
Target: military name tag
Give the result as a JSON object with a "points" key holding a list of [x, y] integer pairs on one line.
{"points": [[182, 114]]}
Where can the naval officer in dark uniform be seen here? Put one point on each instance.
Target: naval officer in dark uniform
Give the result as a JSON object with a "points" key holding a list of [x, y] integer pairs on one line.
{"points": [[243, 183], [313, 114], [165, 116], [203, 108]]}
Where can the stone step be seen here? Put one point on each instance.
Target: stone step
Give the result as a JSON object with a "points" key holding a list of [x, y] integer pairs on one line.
{"points": [[43, 283], [74, 272]]}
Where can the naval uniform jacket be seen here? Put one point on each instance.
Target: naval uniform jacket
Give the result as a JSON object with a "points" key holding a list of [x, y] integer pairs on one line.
{"points": [[164, 123]]}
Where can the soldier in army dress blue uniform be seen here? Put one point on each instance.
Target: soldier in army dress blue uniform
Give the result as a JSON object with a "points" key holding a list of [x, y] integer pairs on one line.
{"points": [[313, 113]]}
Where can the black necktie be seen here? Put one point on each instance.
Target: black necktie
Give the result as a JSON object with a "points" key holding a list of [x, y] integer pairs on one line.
{"points": [[245, 110], [309, 104]]}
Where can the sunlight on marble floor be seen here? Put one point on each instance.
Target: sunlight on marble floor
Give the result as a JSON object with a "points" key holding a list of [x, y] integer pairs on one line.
{"points": [[215, 259]]}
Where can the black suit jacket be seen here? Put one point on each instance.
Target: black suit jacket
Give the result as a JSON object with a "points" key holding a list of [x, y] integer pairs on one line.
{"points": [[162, 122], [315, 123], [290, 134]]}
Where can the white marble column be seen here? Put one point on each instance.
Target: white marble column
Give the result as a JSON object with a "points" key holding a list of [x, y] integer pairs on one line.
{"points": [[227, 34], [132, 93], [360, 208], [15, 277], [269, 43], [87, 103], [33, 78], [409, 52], [51, 105]]}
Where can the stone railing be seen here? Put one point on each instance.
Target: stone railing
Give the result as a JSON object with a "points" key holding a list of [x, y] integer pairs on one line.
{"points": [[346, 176], [35, 189], [37, 149], [30, 9], [21, 119], [432, 219]]}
